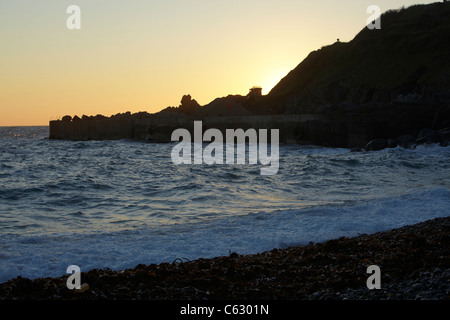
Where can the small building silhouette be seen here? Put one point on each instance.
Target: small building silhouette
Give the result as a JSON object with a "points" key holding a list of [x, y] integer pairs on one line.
{"points": [[255, 92]]}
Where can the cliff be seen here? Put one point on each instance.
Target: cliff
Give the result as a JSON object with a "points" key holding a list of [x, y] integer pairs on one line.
{"points": [[383, 84], [406, 61]]}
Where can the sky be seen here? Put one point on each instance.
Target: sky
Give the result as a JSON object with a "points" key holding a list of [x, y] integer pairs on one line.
{"points": [[144, 55]]}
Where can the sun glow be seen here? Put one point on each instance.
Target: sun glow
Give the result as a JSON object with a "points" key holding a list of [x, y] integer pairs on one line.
{"points": [[273, 77]]}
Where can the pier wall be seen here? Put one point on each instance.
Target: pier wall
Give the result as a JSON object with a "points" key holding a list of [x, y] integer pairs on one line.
{"points": [[334, 130]]}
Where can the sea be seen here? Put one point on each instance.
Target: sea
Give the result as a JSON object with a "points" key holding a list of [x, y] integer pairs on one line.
{"points": [[117, 204]]}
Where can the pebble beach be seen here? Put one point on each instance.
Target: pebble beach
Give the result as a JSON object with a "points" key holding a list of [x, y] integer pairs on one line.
{"points": [[414, 263]]}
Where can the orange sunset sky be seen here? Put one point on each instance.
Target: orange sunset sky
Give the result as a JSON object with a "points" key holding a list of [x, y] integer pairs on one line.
{"points": [[143, 55]]}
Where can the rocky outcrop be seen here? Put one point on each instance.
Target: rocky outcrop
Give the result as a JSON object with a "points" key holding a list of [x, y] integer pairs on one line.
{"points": [[407, 141], [425, 136], [444, 134], [428, 136], [188, 106], [376, 144]]}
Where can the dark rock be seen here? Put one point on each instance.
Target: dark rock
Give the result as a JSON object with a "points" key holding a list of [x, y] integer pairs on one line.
{"points": [[418, 286], [407, 141], [188, 105], [234, 255], [406, 138], [356, 149], [444, 137], [427, 136], [142, 115], [409, 99], [392, 143], [76, 118], [99, 117], [376, 144], [24, 287], [67, 118]]}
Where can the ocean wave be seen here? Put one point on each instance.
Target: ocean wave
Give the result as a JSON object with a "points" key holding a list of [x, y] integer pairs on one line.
{"points": [[120, 203], [251, 233]]}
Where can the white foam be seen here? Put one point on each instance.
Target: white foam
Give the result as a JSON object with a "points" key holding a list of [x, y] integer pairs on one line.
{"points": [[40, 256]]}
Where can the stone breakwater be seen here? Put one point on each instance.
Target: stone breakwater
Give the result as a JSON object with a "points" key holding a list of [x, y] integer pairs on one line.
{"points": [[346, 130]]}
